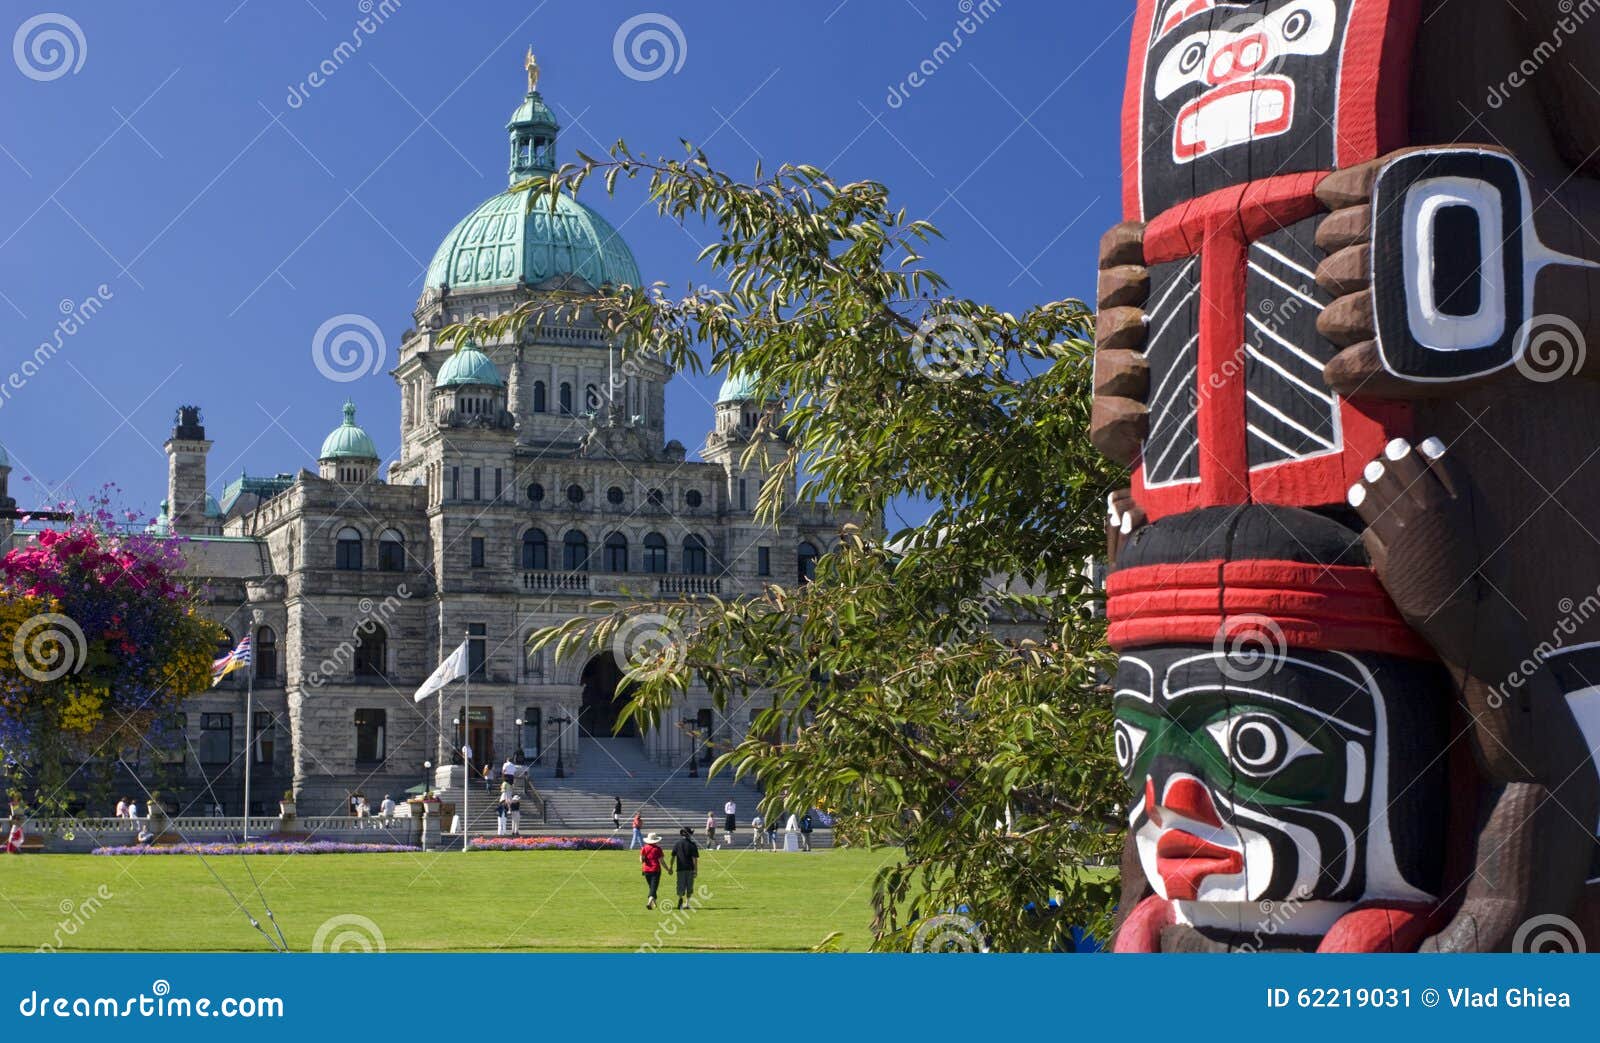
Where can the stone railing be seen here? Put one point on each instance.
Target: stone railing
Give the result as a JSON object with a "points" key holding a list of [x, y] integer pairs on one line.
{"points": [[555, 581], [689, 585]]}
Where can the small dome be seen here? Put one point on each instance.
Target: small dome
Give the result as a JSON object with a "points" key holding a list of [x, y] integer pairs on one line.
{"points": [[739, 387], [213, 508], [469, 365], [348, 442]]}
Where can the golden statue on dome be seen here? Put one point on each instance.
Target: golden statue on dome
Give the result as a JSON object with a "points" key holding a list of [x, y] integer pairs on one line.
{"points": [[532, 65]]}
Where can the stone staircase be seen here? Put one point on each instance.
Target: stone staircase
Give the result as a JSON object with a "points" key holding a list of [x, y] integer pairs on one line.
{"points": [[668, 798]]}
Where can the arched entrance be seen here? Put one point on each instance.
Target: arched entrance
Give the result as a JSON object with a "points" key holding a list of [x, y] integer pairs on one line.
{"points": [[602, 703]]}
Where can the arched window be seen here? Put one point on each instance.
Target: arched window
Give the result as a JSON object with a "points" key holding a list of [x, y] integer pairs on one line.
{"points": [[694, 555], [616, 553], [538, 396], [347, 553], [655, 553], [806, 557], [575, 552], [372, 650], [535, 550], [265, 654], [566, 399], [391, 551]]}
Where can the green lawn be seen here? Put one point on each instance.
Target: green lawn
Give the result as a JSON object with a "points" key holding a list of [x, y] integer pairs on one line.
{"points": [[524, 900]]}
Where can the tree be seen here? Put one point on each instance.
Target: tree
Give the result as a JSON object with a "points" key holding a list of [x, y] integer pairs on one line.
{"points": [[99, 643], [886, 695]]}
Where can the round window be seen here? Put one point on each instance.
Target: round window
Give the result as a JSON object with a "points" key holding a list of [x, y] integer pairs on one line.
{"points": [[692, 497], [535, 493], [614, 494], [656, 498], [575, 493]]}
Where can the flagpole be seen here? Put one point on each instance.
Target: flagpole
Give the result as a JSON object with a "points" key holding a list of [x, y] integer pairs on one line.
{"points": [[466, 744], [249, 752]]}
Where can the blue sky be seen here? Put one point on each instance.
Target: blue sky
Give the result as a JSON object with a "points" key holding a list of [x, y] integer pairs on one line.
{"points": [[156, 153]]}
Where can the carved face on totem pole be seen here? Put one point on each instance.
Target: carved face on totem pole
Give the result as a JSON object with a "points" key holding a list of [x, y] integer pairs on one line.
{"points": [[1319, 574]]}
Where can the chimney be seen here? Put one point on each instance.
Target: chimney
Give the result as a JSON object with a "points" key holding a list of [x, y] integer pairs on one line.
{"points": [[186, 475]]}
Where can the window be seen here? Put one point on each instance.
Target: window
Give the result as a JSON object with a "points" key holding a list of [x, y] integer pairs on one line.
{"points": [[265, 737], [693, 498], [535, 550], [575, 552], [371, 726], [694, 555], [763, 561], [743, 499], [498, 489], [615, 496], [455, 483], [657, 498], [477, 483], [477, 552], [616, 553], [173, 746], [265, 654], [574, 493], [391, 551], [538, 396], [566, 399], [535, 493], [347, 553], [807, 561], [532, 720], [372, 650], [477, 648], [532, 662], [216, 738], [655, 553]]}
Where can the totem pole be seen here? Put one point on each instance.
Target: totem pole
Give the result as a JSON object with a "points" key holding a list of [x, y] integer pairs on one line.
{"points": [[1356, 581]]}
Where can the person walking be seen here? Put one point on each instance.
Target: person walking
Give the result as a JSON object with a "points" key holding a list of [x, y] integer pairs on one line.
{"points": [[711, 830], [730, 812], [638, 831], [685, 862], [756, 830], [515, 802], [616, 814], [502, 808], [122, 808], [650, 866], [805, 832]]}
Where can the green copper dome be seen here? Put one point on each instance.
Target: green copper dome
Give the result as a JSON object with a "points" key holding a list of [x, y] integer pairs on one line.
{"points": [[469, 366], [516, 236], [348, 442], [738, 388]]}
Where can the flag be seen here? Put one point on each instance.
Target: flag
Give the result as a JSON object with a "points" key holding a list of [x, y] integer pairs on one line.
{"points": [[454, 666], [237, 659]]}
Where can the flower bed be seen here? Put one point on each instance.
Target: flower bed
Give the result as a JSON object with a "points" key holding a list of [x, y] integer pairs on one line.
{"points": [[307, 847], [546, 843]]}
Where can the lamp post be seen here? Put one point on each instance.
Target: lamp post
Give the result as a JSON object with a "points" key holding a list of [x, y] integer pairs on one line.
{"points": [[561, 723], [427, 777]]}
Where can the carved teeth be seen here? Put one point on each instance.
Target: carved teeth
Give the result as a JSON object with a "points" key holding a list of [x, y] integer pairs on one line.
{"points": [[1374, 471]]}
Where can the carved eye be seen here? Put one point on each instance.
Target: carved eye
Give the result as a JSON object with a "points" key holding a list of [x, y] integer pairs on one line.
{"points": [[1296, 25], [1192, 57], [1259, 744], [1129, 740]]}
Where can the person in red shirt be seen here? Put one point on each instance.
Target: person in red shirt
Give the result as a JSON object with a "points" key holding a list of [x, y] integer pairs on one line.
{"points": [[650, 866]]}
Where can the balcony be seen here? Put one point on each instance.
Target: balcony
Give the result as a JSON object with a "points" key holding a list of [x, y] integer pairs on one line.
{"points": [[577, 582], [688, 585], [620, 582]]}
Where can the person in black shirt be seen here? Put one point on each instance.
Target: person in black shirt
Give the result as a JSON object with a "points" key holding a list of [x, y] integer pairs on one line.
{"points": [[685, 861]]}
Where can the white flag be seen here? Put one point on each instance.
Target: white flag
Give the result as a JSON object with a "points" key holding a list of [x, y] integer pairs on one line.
{"points": [[454, 666]]}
